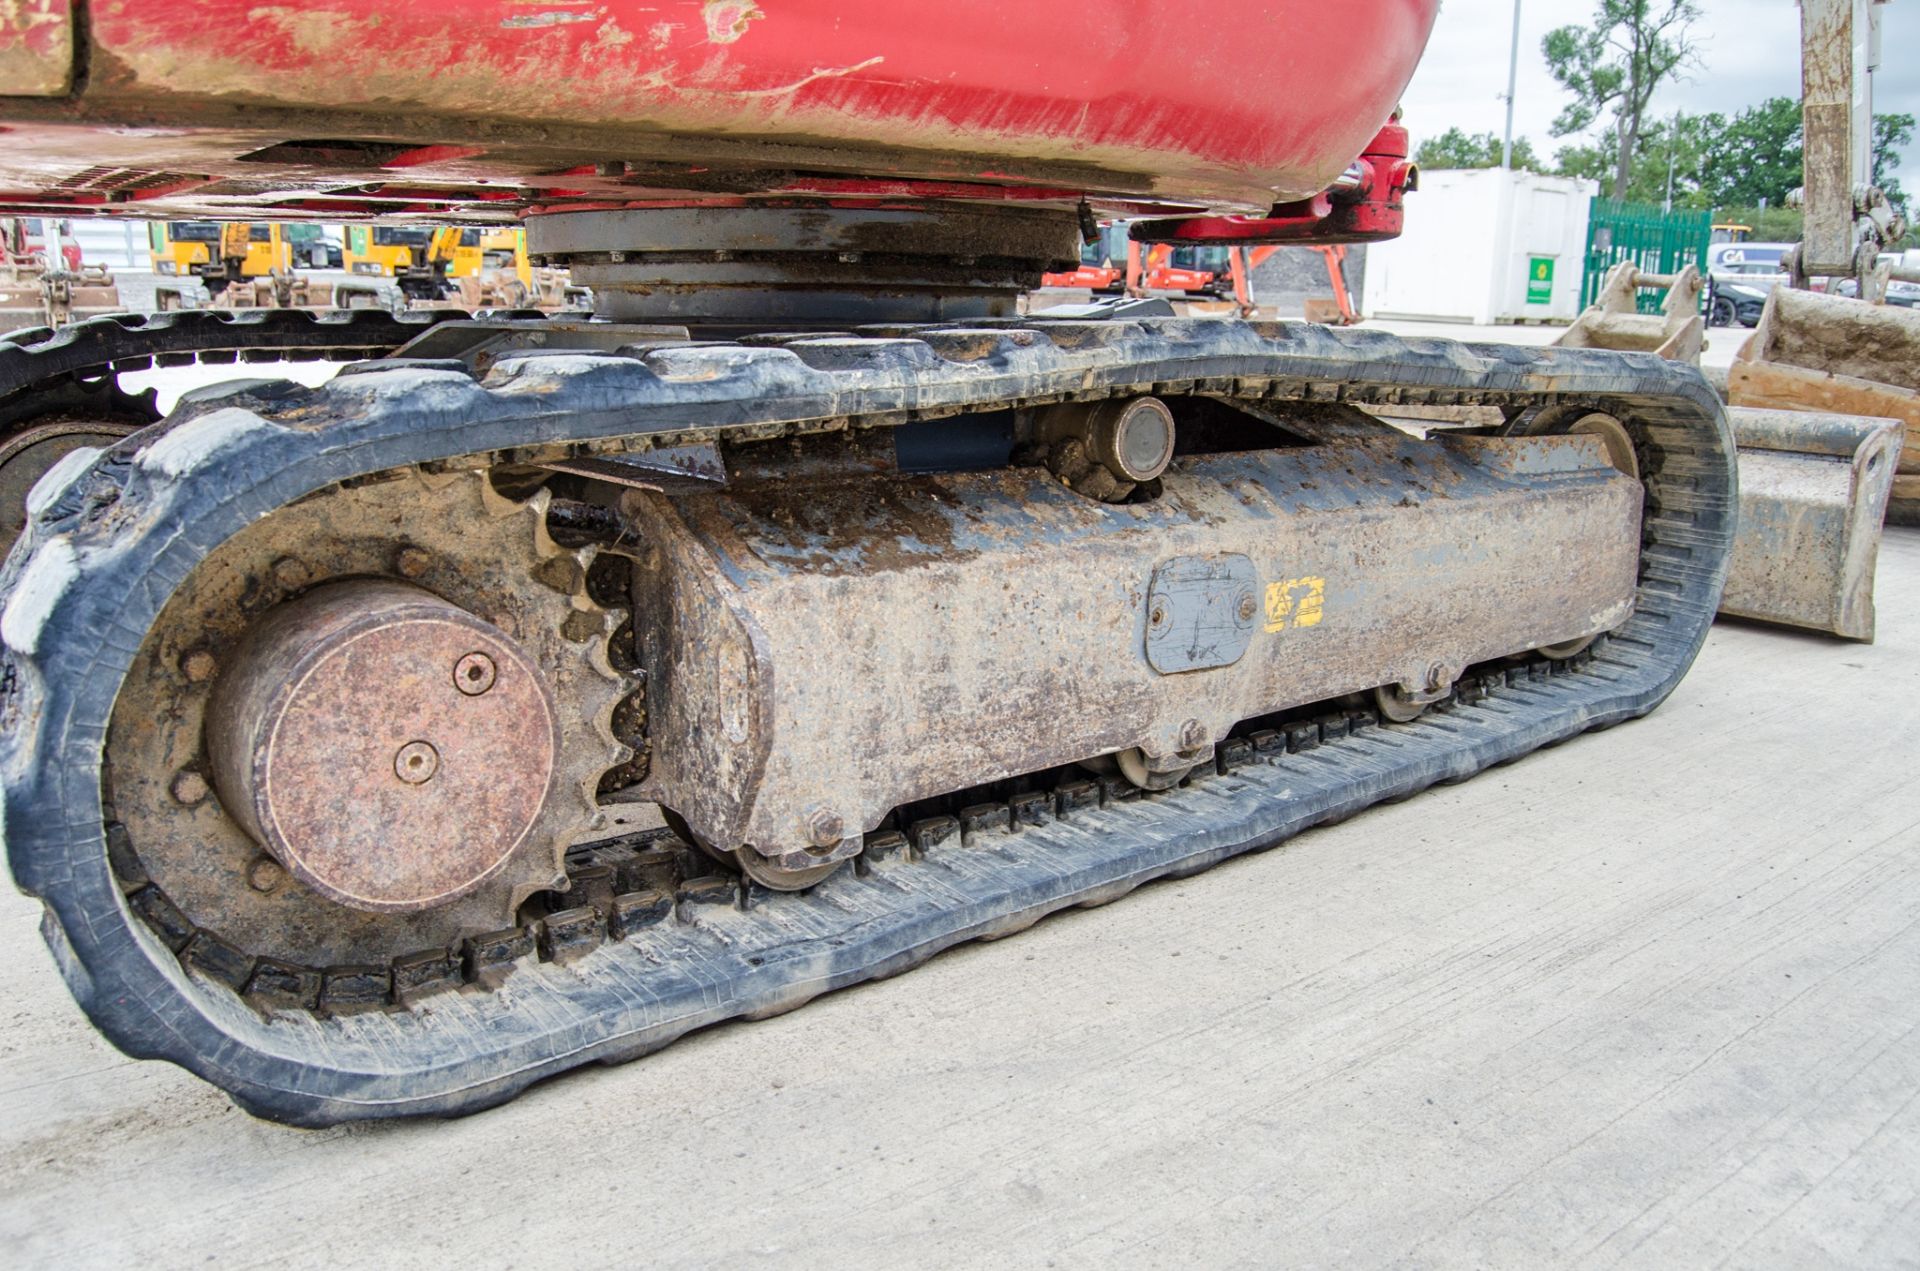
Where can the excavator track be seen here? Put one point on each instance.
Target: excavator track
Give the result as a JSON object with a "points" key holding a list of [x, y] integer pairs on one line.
{"points": [[650, 940], [31, 357]]}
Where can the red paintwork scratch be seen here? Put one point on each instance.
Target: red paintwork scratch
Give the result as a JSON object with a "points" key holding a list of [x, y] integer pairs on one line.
{"points": [[726, 20]]}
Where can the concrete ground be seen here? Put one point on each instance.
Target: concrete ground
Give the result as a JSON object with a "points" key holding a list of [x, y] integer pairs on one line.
{"points": [[1647, 998]]}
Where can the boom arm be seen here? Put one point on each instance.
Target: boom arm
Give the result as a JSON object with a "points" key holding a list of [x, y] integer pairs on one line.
{"points": [[445, 241], [1848, 218]]}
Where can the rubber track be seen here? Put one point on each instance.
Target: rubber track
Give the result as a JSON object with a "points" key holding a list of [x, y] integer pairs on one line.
{"points": [[134, 341], [102, 555]]}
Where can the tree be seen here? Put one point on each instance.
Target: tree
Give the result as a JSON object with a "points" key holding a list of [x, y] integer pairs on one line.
{"points": [[1769, 224], [1615, 65], [1680, 146], [1456, 149], [1890, 133], [1756, 157]]}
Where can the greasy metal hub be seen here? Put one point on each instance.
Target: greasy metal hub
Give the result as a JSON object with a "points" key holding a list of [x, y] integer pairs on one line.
{"points": [[390, 749]]}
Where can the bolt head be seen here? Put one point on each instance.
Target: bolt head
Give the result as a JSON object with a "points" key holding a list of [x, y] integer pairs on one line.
{"points": [[411, 562], [474, 674], [825, 828], [1193, 734], [291, 572], [189, 788], [416, 762], [198, 666], [265, 874]]}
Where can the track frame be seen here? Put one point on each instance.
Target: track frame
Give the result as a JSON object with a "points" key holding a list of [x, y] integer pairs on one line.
{"points": [[109, 540]]}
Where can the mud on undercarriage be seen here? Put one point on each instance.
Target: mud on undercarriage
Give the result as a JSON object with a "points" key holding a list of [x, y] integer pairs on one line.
{"points": [[1165, 629]]}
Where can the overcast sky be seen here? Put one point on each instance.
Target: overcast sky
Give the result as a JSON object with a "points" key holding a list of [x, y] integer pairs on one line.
{"points": [[1749, 51]]}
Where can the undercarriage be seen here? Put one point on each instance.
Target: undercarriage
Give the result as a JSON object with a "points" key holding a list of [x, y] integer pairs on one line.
{"points": [[542, 691], [541, 688]]}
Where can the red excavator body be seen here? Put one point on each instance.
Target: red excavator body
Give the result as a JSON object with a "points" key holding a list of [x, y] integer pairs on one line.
{"points": [[484, 109]]}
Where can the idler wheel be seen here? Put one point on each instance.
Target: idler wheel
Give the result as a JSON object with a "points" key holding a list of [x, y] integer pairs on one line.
{"points": [[768, 873], [391, 750], [1151, 774], [776, 877]]}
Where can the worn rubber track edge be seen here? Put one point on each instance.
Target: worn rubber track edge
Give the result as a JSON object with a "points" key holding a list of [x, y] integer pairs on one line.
{"points": [[110, 541], [134, 341]]}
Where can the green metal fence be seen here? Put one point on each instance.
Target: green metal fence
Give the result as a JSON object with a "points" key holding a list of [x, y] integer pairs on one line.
{"points": [[1659, 242]]}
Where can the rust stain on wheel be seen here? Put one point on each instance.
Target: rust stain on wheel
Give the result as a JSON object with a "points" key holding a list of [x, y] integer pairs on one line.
{"points": [[354, 743]]}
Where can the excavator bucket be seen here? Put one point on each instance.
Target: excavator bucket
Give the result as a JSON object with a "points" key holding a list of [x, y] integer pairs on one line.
{"points": [[1816, 464], [1613, 320], [1813, 490], [1832, 353]]}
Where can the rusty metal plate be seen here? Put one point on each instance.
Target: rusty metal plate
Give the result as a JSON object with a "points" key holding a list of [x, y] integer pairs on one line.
{"points": [[672, 469], [1201, 612], [1816, 352], [1774, 386], [36, 48]]}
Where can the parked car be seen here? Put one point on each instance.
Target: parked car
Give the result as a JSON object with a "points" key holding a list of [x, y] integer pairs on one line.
{"points": [[1899, 292], [1740, 277]]}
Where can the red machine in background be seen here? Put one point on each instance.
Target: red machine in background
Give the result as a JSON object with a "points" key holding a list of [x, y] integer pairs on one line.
{"points": [[44, 282], [1164, 267], [36, 242], [1113, 262], [540, 689]]}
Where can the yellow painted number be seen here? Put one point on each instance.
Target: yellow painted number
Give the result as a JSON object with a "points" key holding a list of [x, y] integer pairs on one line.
{"points": [[1295, 602]]}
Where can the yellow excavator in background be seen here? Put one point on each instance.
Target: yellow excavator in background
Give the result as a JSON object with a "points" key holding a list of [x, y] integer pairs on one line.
{"points": [[506, 277], [422, 260], [234, 264], [218, 253]]}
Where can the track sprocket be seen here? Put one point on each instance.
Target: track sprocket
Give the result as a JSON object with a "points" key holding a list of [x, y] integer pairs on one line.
{"points": [[451, 535]]}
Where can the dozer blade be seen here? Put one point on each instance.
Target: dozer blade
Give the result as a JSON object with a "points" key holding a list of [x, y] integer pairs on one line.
{"points": [[1831, 353], [1813, 490]]}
